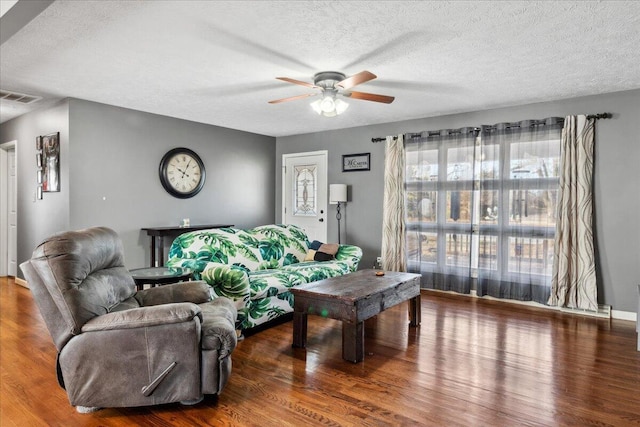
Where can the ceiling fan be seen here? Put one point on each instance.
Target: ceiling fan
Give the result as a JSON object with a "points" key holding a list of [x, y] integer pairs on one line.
{"points": [[332, 84]]}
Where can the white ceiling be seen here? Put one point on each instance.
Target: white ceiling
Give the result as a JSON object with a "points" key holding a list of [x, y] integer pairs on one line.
{"points": [[216, 61]]}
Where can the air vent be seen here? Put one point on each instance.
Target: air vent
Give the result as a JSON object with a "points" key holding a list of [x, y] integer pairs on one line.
{"points": [[21, 98]]}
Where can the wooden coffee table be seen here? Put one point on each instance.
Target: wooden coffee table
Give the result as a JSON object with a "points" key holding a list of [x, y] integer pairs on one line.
{"points": [[353, 298]]}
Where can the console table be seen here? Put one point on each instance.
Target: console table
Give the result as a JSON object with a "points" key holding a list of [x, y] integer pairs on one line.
{"points": [[159, 233]]}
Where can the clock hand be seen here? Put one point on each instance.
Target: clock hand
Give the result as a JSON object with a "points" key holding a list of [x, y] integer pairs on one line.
{"points": [[186, 168]]}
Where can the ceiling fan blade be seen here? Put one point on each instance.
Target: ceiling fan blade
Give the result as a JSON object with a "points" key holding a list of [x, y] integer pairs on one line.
{"points": [[298, 82], [292, 98], [371, 97], [356, 79]]}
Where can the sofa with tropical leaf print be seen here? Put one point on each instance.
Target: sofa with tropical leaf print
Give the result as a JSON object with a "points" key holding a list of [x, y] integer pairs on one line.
{"points": [[256, 268]]}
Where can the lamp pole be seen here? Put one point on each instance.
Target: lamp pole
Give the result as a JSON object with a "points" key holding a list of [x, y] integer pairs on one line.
{"points": [[338, 217]]}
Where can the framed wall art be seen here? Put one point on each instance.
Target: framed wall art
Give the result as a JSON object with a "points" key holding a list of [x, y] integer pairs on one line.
{"points": [[356, 162], [51, 162]]}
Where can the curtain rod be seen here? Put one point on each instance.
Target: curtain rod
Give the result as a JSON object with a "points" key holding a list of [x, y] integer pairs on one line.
{"points": [[600, 116], [590, 116]]}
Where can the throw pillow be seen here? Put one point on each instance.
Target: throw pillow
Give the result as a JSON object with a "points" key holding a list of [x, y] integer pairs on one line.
{"points": [[319, 251], [315, 245], [310, 255], [321, 256], [329, 248]]}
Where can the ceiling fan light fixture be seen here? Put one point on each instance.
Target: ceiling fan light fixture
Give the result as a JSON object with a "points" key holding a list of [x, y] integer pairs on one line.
{"points": [[341, 106], [316, 106], [329, 106]]}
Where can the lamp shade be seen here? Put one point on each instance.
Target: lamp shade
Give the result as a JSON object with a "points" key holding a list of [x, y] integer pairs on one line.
{"points": [[337, 193]]}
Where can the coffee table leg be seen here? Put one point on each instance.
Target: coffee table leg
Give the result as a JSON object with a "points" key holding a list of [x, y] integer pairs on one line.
{"points": [[299, 329], [353, 341], [415, 312]]}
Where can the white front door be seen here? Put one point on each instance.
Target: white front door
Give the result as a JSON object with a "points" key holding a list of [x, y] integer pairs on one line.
{"points": [[304, 192]]}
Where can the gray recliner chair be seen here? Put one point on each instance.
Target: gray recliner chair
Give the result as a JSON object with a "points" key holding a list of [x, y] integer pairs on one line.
{"points": [[122, 348]]}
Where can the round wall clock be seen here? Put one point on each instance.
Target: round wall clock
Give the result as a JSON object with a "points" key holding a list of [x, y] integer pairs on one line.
{"points": [[182, 173]]}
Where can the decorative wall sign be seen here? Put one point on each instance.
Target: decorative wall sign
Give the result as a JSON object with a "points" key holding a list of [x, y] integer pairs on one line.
{"points": [[39, 170], [356, 162], [51, 162]]}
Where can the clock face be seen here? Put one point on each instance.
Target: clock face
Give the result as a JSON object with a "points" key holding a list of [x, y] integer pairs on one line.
{"points": [[182, 173]]}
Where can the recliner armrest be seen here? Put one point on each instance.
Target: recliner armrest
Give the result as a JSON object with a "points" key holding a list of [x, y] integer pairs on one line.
{"points": [[196, 292], [144, 317]]}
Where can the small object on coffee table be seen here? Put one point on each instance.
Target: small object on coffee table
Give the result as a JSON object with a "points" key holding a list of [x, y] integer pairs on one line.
{"points": [[379, 273], [353, 298]]}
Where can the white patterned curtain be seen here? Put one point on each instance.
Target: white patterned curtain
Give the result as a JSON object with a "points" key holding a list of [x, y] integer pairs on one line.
{"points": [[573, 283], [393, 221]]}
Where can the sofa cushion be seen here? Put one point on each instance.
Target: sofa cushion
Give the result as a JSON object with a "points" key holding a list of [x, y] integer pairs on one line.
{"points": [[281, 244], [230, 246], [319, 270], [268, 283]]}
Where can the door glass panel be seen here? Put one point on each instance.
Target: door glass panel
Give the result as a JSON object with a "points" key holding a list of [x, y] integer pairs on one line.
{"points": [[305, 190], [488, 252], [458, 247], [489, 205], [534, 159], [460, 163], [422, 165], [533, 207], [422, 247], [489, 162], [528, 255], [421, 206], [458, 207]]}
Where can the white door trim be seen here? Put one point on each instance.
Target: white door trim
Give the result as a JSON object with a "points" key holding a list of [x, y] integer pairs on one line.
{"points": [[285, 157], [4, 202]]}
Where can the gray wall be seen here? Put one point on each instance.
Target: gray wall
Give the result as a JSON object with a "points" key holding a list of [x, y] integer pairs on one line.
{"points": [[617, 176], [110, 158], [38, 218]]}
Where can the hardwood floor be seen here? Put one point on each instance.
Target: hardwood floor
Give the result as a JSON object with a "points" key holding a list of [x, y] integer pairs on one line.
{"points": [[471, 363]]}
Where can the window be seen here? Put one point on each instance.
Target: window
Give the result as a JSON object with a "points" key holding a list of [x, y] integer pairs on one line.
{"points": [[481, 203]]}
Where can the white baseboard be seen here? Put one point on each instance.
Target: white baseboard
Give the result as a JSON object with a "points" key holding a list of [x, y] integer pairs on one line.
{"points": [[604, 311], [624, 315]]}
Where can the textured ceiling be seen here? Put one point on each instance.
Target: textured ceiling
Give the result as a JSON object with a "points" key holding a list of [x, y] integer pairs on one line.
{"points": [[215, 62]]}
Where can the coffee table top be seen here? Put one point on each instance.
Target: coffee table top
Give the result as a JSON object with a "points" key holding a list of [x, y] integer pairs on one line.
{"points": [[355, 286]]}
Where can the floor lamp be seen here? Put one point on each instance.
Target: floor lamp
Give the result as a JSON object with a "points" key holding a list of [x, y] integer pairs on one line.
{"points": [[337, 195]]}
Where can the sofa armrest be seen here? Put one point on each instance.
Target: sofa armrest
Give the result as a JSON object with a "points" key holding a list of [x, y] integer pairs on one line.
{"points": [[228, 281], [196, 292], [144, 317], [350, 254]]}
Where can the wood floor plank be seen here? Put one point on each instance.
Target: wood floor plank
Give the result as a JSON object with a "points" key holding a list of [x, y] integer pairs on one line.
{"points": [[472, 362]]}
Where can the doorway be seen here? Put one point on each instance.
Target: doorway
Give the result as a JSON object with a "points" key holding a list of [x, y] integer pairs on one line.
{"points": [[8, 209], [304, 192]]}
